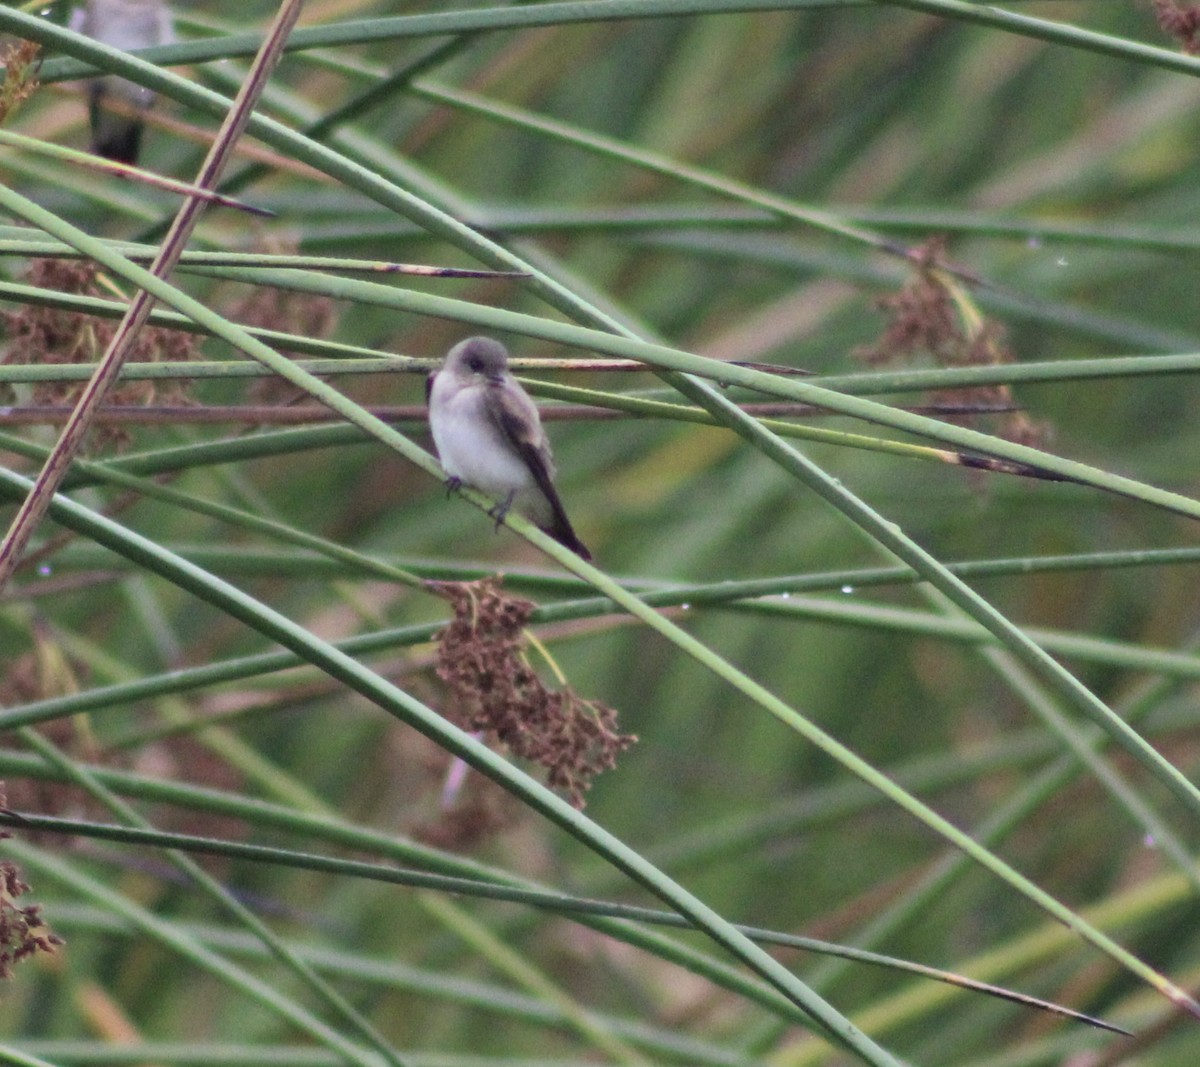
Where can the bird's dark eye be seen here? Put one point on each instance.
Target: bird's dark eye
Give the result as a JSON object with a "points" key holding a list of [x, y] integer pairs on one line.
{"points": [[475, 363]]}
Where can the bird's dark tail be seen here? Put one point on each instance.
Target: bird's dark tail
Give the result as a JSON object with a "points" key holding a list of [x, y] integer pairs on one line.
{"points": [[120, 143], [562, 532], [115, 137], [559, 527], [565, 536]]}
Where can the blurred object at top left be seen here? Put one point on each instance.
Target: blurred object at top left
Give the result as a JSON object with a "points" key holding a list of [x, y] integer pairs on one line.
{"points": [[115, 104]]}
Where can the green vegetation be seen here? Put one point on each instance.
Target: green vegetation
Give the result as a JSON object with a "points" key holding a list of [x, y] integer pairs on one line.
{"points": [[865, 335]]}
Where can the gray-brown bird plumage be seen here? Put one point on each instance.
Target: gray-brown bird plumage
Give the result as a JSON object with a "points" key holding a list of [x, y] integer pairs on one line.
{"points": [[127, 25], [489, 435]]}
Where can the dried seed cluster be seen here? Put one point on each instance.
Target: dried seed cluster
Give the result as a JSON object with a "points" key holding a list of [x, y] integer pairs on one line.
{"points": [[32, 676], [47, 335], [23, 931], [21, 60], [924, 320], [1182, 21], [481, 657]]}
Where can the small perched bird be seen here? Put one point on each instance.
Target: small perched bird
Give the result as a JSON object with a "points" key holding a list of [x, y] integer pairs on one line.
{"points": [[127, 25], [488, 435]]}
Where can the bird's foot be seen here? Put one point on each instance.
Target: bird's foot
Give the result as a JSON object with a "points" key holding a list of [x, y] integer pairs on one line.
{"points": [[453, 484], [501, 510]]}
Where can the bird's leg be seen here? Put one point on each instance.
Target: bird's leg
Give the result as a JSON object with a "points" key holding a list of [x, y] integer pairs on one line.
{"points": [[453, 484], [500, 511]]}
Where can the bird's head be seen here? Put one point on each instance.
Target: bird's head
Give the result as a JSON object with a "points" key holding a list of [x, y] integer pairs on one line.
{"points": [[477, 357]]}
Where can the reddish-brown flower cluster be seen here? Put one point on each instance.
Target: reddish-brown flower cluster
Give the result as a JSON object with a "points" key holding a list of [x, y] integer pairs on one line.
{"points": [[1182, 21], [481, 657], [36, 675], [23, 931], [21, 60], [47, 335], [924, 320]]}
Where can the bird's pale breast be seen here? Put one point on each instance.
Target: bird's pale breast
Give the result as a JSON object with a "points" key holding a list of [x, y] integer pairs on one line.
{"points": [[469, 444]]}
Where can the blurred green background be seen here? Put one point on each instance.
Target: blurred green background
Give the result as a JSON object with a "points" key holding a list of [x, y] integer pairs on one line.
{"points": [[1066, 180]]}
